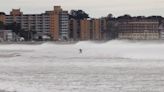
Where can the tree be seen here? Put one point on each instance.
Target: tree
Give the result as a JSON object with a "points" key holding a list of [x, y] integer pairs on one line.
{"points": [[15, 27], [126, 16], [78, 14], [112, 26], [155, 17], [110, 16], [2, 25]]}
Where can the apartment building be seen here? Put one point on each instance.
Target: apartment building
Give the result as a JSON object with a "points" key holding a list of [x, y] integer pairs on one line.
{"points": [[95, 29], [75, 17], [64, 25], [36, 22], [54, 24], [40, 23], [104, 29], [91, 29], [74, 29], [2, 16], [85, 29], [161, 30], [59, 23], [144, 29]]}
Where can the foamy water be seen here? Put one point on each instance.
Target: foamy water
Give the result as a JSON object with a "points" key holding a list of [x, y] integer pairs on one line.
{"points": [[115, 66]]}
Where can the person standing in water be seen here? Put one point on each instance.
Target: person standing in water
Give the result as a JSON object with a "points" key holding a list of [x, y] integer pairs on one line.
{"points": [[80, 50]]}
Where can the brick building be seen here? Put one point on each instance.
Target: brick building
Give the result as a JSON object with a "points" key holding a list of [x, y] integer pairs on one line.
{"points": [[91, 29], [144, 29]]}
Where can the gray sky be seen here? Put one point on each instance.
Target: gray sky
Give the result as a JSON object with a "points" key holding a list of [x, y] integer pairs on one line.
{"points": [[96, 8]]}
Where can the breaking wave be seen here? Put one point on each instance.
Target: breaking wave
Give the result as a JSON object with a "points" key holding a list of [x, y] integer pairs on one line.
{"points": [[112, 49]]}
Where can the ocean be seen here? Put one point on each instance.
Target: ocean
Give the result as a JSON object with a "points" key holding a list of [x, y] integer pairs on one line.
{"points": [[114, 66]]}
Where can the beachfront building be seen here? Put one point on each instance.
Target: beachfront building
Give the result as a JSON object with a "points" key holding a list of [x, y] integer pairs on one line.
{"points": [[40, 23], [91, 29], [54, 24], [75, 23], [104, 28], [85, 29], [2, 16], [59, 23], [161, 30], [140, 29], [74, 29]]}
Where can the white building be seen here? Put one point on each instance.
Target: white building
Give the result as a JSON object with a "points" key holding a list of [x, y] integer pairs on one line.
{"points": [[40, 23], [64, 25]]}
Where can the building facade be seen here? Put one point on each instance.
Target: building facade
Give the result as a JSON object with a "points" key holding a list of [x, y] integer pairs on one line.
{"points": [[59, 23], [85, 29], [139, 30], [161, 30], [91, 29], [2, 16], [104, 31], [53, 24], [74, 29], [40, 23]]}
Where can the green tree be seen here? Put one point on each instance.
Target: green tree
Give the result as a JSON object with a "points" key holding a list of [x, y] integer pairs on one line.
{"points": [[15, 27], [78, 14], [1, 25]]}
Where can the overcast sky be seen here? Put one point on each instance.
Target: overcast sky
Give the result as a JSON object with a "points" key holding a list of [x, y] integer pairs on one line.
{"points": [[95, 8]]}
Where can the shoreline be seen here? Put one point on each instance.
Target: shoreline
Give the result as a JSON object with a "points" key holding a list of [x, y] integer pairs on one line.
{"points": [[74, 42], [39, 42], [25, 42]]}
